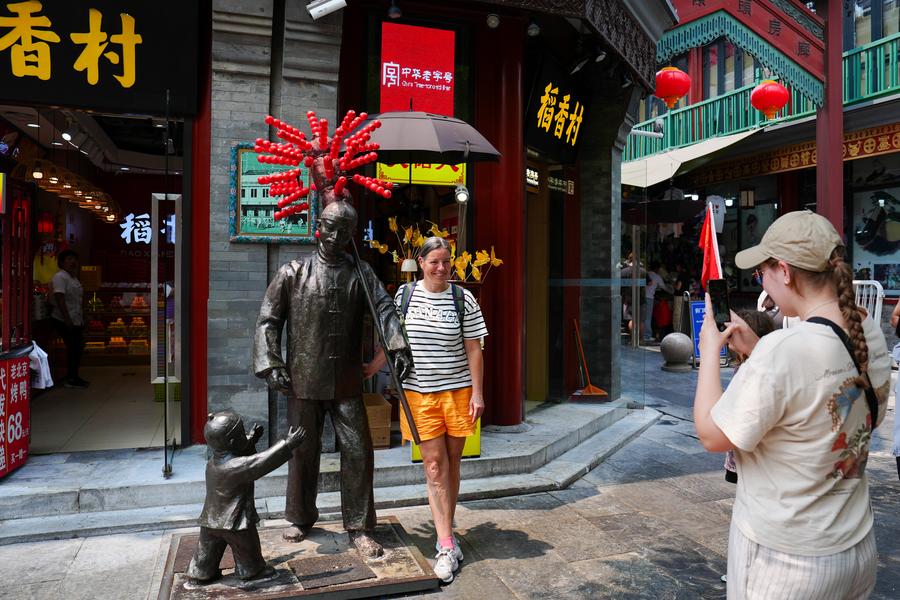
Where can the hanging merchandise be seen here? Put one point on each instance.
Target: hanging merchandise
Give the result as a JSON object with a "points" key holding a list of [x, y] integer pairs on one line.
{"points": [[769, 97]]}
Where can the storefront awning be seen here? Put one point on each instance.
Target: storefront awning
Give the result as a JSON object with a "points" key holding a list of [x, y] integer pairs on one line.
{"points": [[665, 165]]}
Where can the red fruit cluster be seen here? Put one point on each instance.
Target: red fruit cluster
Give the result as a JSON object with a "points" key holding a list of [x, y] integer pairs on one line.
{"points": [[322, 153]]}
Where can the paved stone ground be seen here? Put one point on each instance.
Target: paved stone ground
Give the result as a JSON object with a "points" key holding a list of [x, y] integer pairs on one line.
{"points": [[650, 522]]}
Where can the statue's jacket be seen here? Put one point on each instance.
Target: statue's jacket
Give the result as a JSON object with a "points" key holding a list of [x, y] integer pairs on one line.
{"points": [[322, 306], [229, 487]]}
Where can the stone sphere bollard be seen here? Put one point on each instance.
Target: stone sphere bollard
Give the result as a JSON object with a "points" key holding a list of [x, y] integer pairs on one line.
{"points": [[677, 349]]}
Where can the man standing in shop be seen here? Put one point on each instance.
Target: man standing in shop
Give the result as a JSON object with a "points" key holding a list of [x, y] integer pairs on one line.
{"points": [[67, 314], [321, 300]]}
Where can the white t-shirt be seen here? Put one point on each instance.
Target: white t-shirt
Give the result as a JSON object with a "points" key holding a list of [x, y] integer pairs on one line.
{"points": [[63, 283], [432, 326], [654, 283], [801, 432]]}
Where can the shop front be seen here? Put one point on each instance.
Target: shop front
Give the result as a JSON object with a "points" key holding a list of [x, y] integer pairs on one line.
{"points": [[96, 119], [537, 101], [759, 187]]}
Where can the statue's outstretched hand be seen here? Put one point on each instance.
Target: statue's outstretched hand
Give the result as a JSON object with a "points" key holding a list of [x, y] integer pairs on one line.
{"points": [[295, 437], [255, 433], [278, 379], [403, 363]]}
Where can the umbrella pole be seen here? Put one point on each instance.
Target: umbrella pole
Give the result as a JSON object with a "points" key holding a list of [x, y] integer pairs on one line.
{"points": [[381, 338]]}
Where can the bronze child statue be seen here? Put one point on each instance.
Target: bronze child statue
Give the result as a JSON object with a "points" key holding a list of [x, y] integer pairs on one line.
{"points": [[229, 515]]}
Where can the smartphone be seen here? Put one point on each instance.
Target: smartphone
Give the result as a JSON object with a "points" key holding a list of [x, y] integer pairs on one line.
{"points": [[718, 293]]}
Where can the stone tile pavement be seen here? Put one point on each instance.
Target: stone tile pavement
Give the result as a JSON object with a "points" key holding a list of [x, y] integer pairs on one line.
{"points": [[649, 522]]}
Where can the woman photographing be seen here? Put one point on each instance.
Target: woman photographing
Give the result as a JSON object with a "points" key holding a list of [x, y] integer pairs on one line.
{"points": [[445, 326], [799, 416]]}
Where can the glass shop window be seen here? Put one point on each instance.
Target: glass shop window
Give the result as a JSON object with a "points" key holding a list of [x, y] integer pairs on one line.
{"points": [[891, 17], [862, 22], [710, 71], [728, 83]]}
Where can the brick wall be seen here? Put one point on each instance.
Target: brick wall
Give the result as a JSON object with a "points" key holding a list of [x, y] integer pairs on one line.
{"points": [[600, 158], [243, 89]]}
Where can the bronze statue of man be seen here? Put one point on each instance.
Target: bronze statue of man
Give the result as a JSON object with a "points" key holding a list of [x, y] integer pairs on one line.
{"points": [[320, 298]]}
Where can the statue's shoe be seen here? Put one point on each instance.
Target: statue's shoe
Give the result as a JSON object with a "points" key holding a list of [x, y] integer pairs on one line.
{"points": [[295, 533], [366, 545]]}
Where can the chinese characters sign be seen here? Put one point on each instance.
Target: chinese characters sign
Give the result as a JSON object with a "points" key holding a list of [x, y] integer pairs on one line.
{"points": [[100, 54], [857, 144], [136, 228], [417, 72], [555, 114], [417, 68], [15, 414], [793, 30], [424, 174]]}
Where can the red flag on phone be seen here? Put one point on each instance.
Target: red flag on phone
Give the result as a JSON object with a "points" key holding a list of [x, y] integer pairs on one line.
{"points": [[712, 265]]}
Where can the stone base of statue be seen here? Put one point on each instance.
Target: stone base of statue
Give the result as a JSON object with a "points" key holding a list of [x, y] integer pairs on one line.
{"points": [[324, 565]]}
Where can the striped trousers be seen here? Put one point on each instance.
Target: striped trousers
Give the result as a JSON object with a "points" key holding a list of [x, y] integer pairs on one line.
{"points": [[759, 573]]}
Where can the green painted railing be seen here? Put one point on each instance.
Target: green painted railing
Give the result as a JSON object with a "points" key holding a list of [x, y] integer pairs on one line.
{"points": [[869, 72]]}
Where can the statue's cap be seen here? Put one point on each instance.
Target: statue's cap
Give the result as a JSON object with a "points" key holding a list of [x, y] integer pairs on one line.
{"points": [[219, 427]]}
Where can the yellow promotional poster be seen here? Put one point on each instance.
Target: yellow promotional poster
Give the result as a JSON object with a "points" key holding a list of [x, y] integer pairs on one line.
{"points": [[2, 193], [472, 449], [423, 174]]}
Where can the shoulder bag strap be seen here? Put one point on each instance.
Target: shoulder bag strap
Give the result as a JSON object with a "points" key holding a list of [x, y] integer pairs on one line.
{"points": [[872, 401], [406, 296], [459, 302]]}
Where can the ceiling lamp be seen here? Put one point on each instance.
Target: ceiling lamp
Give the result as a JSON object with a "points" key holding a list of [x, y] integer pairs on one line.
{"points": [[671, 85], [37, 171], [769, 97], [493, 21], [533, 29], [394, 11]]}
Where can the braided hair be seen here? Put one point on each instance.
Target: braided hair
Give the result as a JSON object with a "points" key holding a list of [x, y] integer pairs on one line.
{"points": [[839, 276], [842, 277]]}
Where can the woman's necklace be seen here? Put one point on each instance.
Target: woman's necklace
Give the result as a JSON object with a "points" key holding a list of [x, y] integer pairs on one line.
{"points": [[817, 307]]}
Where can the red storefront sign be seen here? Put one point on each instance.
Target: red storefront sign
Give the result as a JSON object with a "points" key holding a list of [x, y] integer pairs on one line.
{"points": [[417, 66], [15, 414]]}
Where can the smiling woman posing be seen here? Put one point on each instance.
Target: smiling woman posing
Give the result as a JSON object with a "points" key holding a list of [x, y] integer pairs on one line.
{"points": [[444, 389], [799, 415]]}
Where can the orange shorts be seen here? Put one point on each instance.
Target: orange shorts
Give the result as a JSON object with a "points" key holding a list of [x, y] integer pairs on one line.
{"points": [[437, 413]]}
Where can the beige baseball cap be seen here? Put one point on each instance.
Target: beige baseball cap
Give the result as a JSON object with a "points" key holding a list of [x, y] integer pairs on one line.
{"points": [[801, 239]]}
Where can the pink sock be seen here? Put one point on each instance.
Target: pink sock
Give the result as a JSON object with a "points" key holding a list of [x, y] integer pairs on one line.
{"points": [[446, 542]]}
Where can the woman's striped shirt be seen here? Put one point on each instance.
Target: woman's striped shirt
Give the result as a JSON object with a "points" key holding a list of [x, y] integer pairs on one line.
{"points": [[432, 325]]}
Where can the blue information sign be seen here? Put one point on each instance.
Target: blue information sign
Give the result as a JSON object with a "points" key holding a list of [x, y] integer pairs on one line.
{"points": [[698, 312]]}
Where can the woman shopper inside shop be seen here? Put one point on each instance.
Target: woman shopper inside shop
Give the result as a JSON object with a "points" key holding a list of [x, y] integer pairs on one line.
{"points": [[67, 314], [799, 416], [445, 326]]}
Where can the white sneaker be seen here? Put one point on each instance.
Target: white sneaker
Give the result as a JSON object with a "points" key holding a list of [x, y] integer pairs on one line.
{"points": [[445, 564], [457, 551]]}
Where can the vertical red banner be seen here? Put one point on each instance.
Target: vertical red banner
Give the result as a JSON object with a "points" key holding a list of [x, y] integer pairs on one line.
{"points": [[15, 413], [417, 66]]}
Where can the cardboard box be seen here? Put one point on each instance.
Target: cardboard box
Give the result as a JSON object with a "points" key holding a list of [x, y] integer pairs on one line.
{"points": [[378, 412], [381, 437]]}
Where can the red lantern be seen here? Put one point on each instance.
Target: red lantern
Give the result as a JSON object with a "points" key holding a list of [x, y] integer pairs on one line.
{"points": [[769, 97], [671, 84], [45, 224]]}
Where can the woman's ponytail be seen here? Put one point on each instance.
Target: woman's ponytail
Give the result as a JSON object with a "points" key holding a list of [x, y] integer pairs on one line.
{"points": [[842, 276]]}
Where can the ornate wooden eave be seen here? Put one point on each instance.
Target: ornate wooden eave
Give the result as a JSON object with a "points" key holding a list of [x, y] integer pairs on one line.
{"points": [[612, 22], [783, 35]]}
